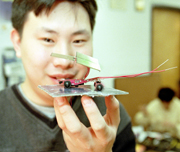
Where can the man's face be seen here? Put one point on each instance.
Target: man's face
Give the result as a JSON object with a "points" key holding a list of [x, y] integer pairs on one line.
{"points": [[65, 30]]}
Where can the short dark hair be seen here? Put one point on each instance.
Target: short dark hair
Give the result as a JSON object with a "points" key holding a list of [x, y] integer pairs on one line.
{"points": [[166, 94], [21, 8]]}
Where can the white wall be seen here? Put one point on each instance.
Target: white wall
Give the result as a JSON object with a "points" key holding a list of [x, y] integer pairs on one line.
{"points": [[122, 41], [122, 38]]}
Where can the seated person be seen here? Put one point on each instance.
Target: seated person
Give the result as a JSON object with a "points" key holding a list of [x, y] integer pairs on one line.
{"points": [[161, 114]]}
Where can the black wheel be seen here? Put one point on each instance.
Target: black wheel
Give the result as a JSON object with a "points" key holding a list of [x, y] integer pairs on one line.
{"points": [[97, 82], [60, 82], [99, 87], [67, 84]]}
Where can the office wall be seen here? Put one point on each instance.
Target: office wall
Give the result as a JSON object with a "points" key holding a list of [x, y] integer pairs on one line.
{"points": [[122, 38]]}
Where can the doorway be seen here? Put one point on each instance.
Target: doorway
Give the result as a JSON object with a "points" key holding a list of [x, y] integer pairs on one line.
{"points": [[166, 45]]}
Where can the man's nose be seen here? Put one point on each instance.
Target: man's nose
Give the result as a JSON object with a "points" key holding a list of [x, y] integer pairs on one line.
{"points": [[62, 62]]}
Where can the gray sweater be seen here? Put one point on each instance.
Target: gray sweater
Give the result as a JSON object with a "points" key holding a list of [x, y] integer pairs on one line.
{"points": [[25, 129]]}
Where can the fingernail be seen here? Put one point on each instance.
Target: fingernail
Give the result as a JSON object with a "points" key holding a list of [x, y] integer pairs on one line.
{"points": [[60, 102], [87, 102], [112, 97]]}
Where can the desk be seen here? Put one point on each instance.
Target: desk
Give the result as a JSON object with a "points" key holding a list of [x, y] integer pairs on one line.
{"points": [[159, 145], [148, 141]]}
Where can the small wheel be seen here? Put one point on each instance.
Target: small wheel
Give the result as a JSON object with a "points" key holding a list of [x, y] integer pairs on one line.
{"points": [[60, 82], [99, 87], [97, 82], [67, 84]]}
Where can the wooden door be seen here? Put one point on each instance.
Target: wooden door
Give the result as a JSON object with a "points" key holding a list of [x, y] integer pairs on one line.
{"points": [[166, 44], [141, 90]]}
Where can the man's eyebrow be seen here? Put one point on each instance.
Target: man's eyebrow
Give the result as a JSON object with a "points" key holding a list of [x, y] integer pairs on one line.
{"points": [[79, 32], [49, 30]]}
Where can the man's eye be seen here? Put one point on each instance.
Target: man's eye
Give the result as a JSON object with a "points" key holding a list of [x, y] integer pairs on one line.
{"points": [[79, 41], [48, 40]]}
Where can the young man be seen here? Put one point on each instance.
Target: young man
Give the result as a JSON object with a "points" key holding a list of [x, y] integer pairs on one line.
{"points": [[27, 116]]}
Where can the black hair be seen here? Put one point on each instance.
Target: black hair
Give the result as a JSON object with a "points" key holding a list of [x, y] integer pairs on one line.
{"points": [[166, 94], [21, 8]]}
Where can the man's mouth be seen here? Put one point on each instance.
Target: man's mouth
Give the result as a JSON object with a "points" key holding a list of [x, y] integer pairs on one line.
{"points": [[57, 77]]}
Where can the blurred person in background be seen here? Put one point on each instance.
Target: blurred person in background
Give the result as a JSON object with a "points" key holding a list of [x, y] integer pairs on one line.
{"points": [[161, 114]]}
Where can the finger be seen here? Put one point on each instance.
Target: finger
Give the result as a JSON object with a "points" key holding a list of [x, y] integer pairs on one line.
{"points": [[70, 123], [58, 101], [70, 142], [82, 141], [66, 113], [113, 110], [97, 121]]}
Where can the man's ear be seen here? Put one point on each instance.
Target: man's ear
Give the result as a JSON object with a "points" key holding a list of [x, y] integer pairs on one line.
{"points": [[16, 40]]}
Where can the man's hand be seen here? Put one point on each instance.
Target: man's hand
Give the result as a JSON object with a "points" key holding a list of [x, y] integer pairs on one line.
{"points": [[97, 138]]}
